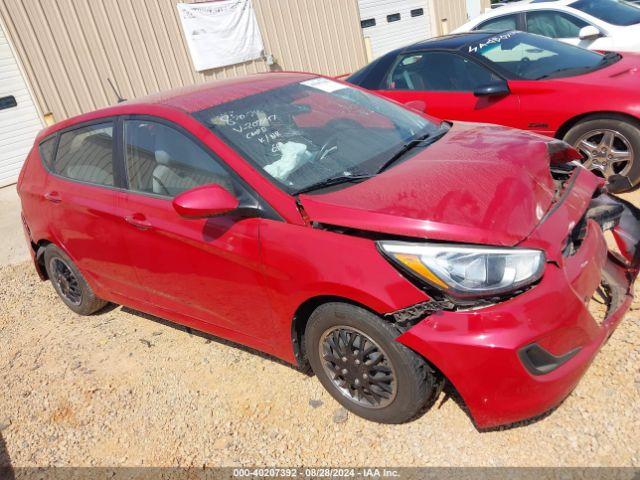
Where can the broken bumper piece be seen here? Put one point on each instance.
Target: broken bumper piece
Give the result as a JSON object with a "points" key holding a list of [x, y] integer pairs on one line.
{"points": [[517, 359]]}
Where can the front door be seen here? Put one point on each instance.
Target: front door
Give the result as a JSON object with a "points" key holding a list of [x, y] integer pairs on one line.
{"points": [[446, 82], [206, 269]]}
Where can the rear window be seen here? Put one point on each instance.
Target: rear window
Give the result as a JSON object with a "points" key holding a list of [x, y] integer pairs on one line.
{"points": [[86, 154], [615, 12]]}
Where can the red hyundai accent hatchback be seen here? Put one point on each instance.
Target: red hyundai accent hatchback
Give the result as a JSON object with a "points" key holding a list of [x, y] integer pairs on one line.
{"points": [[325, 225]]}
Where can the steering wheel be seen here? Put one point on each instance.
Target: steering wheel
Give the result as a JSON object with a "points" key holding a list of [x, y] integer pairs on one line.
{"points": [[525, 63]]}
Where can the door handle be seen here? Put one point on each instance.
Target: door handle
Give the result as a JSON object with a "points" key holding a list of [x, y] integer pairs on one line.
{"points": [[139, 221], [53, 197]]}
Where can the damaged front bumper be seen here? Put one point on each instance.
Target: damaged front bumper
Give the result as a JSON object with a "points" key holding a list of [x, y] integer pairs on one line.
{"points": [[518, 358]]}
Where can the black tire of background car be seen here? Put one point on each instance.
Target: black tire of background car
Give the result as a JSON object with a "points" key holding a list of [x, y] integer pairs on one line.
{"points": [[418, 383], [629, 128], [89, 303]]}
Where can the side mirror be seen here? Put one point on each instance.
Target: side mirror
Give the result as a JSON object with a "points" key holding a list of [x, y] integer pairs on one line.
{"points": [[589, 33], [496, 89], [417, 105], [205, 201]]}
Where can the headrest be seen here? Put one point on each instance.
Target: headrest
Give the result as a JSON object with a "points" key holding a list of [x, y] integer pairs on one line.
{"points": [[162, 157]]}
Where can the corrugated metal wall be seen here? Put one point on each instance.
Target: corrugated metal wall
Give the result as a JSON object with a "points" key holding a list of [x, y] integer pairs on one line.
{"points": [[450, 14], [70, 47]]}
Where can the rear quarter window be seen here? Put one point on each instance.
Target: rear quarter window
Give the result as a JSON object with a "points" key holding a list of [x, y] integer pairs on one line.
{"points": [[47, 150]]}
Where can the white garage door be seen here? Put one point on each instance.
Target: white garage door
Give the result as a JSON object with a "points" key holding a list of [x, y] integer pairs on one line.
{"points": [[391, 24], [19, 119]]}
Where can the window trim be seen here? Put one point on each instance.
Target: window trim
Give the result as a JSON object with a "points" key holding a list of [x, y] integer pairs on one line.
{"points": [[169, 124], [267, 210], [117, 185], [387, 76], [121, 182]]}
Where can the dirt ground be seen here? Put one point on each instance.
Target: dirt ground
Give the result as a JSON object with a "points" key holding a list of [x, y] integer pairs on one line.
{"points": [[121, 388]]}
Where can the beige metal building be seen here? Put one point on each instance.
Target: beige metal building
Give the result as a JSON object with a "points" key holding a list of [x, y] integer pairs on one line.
{"points": [[56, 56]]}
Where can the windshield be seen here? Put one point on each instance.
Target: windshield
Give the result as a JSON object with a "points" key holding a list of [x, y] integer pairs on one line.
{"points": [[533, 57], [615, 12], [307, 132]]}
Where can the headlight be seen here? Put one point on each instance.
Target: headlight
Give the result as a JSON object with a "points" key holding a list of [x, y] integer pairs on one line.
{"points": [[468, 271]]}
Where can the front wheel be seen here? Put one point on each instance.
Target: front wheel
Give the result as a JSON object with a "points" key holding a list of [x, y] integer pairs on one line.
{"points": [[609, 147], [356, 358]]}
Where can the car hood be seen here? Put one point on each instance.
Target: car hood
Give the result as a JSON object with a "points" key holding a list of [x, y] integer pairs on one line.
{"points": [[478, 184], [624, 74]]}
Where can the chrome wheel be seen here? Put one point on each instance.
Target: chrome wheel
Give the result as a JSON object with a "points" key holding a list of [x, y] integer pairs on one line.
{"points": [[606, 152], [65, 281], [358, 367]]}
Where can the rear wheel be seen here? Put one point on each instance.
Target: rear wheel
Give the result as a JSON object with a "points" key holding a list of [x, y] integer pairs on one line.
{"points": [[609, 147], [355, 356], [69, 283]]}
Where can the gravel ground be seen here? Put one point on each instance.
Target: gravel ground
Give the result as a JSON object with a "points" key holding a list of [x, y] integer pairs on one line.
{"points": [[122, 388]]}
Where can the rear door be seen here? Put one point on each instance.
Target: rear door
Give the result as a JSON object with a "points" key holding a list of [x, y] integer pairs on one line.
{"points": [[82, 193], [445, 82], [206, 269]]}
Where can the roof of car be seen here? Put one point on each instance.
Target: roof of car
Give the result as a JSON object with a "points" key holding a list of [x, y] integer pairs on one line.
{"points": [[206, 95], [521, 6], [191, 98], [454, 41]]}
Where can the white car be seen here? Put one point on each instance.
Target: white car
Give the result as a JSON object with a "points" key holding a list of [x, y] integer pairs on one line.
{"points": [[593, 24]]}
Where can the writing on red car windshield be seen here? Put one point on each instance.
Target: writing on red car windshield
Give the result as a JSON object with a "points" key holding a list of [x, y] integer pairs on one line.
{"points": [[254, 125], [491, 41], [303, 133]]}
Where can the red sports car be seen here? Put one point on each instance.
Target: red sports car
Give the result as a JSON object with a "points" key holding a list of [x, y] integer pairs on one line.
{"points": [[534, 83], [325, 225]]}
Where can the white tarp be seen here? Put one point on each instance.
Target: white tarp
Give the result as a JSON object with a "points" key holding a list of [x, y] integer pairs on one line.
{"points": [[220, 33]]}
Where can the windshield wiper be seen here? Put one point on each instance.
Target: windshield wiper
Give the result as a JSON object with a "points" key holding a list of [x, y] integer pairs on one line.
{"points": [[563, 70], [611, 57], [607, 58], [422, 140], [337, 180]]}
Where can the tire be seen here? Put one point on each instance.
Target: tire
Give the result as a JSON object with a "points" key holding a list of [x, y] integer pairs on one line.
{"points": [[69, 284], [415, 383], [626, 135]]}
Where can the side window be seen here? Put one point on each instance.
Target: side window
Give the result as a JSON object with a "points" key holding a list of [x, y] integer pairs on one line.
{"points": [[506, 22], [439, 72], [163, 161], [554, 24], [86, 154]]}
